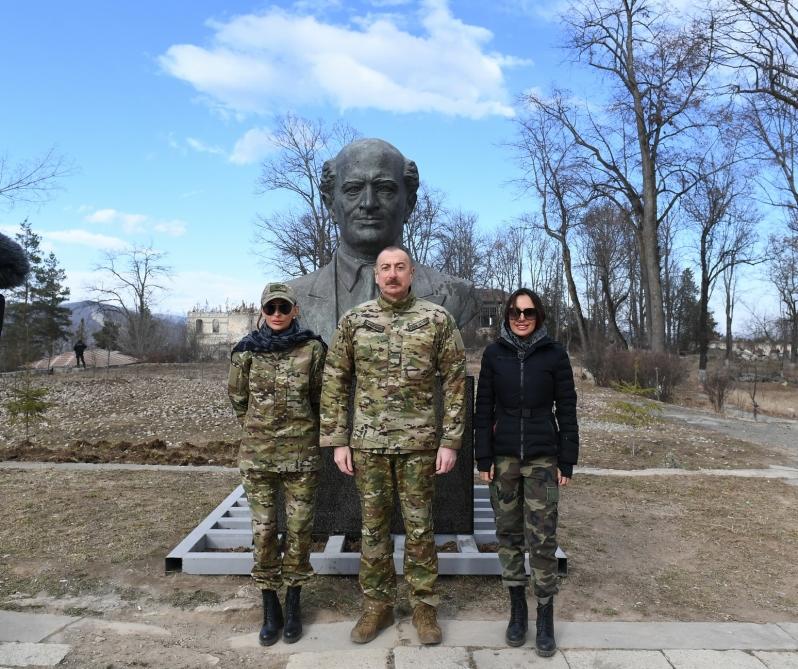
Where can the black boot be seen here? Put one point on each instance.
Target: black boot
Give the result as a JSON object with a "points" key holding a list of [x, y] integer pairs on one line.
{"points": [[545, 644], [272, 618], [516, 628], [293, 620]]}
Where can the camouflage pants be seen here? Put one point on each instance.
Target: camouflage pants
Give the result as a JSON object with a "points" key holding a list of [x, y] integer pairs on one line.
{"points": [[524, 497], [299, 490], [415, 484]]}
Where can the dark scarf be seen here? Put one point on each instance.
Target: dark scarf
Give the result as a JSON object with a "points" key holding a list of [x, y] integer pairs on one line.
{"points": [[266, 340], [522, 344]]}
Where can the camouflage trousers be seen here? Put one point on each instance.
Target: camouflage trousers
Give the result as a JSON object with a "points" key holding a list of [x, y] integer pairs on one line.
{"points": [[524, 497], [415, 484], [299, 491]]}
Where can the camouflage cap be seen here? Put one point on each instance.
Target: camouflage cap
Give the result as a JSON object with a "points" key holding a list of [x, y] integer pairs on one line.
{"points": [[277, 291]]}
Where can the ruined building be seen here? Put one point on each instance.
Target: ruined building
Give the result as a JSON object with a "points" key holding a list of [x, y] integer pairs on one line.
{"points": [[216, 331]]}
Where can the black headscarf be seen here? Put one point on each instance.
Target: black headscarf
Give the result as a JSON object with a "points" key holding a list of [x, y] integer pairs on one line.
{"points": [[266, 340]]}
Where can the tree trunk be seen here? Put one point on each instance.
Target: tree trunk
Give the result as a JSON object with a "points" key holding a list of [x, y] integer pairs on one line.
{"points": [[655, 318], [729, 315], [703, 323], [794, 336], [611, 312], [577, 307]]}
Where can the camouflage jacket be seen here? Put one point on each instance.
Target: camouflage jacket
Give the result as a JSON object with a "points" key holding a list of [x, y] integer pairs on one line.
{"points": [[395, 351], [275, 396]]}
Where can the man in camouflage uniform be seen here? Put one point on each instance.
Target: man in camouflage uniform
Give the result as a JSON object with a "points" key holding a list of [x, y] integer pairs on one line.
{"points": [[275, 393], [396, 346]]}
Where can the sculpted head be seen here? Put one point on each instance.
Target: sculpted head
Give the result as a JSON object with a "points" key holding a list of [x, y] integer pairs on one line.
{"points": [[370, 190]]}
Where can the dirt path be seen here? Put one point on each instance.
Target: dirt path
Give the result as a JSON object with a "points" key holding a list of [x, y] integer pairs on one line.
{"points": [[766, 431]]}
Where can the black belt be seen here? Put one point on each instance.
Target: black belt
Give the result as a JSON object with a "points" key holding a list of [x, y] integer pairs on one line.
{"points": [[528, 413]]}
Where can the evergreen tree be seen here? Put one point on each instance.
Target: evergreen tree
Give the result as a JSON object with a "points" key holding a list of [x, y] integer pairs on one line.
{"points": [[107, 337], [51, 322], [17, 346], [687, 312]]}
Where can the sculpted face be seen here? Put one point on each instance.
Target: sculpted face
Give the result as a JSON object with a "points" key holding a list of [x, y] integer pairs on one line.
{"points": [[393, 273], [370, 200]]}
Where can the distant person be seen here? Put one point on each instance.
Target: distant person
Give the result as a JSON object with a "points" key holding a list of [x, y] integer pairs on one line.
{"points": [[526, 446], [79, 347], [274, 386]]}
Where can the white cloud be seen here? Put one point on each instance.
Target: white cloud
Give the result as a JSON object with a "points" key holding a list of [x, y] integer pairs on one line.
{"points": [[85, 238], [130, 222], [259, 62], [389, 3], [201, 147], [252, 146], [190, 288], [137, 223], [173, 228]]}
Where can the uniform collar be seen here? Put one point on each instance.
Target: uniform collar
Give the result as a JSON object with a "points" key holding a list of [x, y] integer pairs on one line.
{"points": [[399, 305]]}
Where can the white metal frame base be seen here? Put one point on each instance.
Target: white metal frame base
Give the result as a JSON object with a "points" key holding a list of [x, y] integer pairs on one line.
{"points": [[228, 527]]}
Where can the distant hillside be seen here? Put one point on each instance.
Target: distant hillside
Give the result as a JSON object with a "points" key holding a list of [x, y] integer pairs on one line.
{"points": [[94, 315]]}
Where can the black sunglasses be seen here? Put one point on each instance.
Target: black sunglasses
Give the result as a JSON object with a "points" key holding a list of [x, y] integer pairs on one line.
{"points": [[529, 313], [285, 308]]}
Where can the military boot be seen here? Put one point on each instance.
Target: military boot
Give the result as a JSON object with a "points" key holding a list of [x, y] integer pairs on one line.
{"points": [[425, 620], [375, 618], [545, 645], [292, 631], [516, 628], [272, 618]]}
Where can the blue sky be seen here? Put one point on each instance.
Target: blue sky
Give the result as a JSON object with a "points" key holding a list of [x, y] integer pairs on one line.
{"points": [[166, 109]]}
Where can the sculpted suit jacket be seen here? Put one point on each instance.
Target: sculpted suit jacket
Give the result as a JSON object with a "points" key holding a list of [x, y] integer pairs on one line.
{"points": [[316, 296]]}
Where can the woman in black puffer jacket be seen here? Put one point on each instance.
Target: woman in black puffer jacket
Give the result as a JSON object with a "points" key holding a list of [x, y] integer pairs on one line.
{"points": [[526, 446]]}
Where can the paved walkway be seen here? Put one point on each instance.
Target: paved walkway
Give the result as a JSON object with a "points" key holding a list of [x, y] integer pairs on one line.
{"points": [[32, 640], [772, 472]]}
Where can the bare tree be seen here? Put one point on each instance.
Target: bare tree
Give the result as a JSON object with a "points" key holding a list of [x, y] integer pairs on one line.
{"points": [[607, 237], [726, 232], [461, 247], [730, 280], [33, 181], [504, 258], [421, 229], [553, 167], [761, 41], [775, 126], [658, 77], [302, 239], [129, 282], [783, 252]]}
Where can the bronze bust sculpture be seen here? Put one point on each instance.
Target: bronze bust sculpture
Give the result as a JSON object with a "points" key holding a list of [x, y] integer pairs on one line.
{"points": [[370, 190]]}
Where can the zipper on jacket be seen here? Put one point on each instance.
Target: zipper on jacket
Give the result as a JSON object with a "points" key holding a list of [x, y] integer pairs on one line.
{"points": [[521, 405]]}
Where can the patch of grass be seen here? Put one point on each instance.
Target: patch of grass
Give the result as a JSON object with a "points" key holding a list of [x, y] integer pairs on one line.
{"points": [[81, 612], [634, 414], [191, 599]]}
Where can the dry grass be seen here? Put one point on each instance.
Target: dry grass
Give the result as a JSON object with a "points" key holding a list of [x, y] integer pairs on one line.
{"points": [[680, 549], [639, 549]]}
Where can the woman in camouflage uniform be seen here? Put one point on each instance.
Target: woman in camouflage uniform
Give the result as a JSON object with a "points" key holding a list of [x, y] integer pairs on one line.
{"points": [[526, 446], [274, 386]]}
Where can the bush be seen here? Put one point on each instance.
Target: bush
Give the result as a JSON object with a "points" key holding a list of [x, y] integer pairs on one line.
{"points": [[717, 385], [643, 373]]}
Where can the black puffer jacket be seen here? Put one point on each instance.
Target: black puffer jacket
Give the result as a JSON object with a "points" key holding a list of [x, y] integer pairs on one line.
{"points": [[515, 397]]}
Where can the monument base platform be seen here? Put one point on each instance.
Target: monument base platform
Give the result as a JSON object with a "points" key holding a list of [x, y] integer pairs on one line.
{"points": [[222, 544]]}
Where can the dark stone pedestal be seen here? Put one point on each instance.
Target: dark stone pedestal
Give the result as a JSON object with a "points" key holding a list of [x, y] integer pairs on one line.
{"points": [[338, 502]]}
